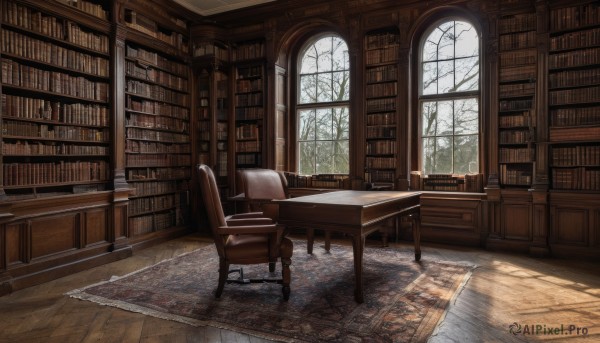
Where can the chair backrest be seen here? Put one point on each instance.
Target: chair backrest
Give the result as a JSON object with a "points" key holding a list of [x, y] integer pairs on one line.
{"points": [[212, 204], [264, 184]]}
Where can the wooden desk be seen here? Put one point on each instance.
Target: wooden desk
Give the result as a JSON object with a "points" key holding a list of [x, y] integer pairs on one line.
{"points": [[355, 213]]}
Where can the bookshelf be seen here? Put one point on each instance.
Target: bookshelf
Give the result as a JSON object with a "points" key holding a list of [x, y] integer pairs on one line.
{"points": [[381, 98], [249, 101], [517, 76], [55, 96], [157, 130], [574, 94]]}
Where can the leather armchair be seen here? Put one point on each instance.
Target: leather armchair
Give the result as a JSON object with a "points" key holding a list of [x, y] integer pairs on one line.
{"points": [[244, 239]]}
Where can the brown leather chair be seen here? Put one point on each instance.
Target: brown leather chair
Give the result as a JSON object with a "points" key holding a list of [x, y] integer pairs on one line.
{"points": [[260, 187], [245, 238]]}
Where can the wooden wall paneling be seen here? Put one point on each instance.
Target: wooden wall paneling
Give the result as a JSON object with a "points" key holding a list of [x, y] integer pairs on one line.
{"points": [[281, 120], [53, 235], [16, 242], [516, 216], [95, 227]]}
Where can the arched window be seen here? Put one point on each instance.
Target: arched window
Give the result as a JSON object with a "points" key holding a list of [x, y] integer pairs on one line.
{"points": [[323, 107], [449, 99]]}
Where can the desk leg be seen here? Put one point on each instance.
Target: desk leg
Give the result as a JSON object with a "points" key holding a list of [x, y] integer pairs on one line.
{"points": [[310, 240], [416, 224], [358, 245]]}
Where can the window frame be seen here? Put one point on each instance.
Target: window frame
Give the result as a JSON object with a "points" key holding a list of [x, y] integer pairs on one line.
{"points": [[448, 96]]}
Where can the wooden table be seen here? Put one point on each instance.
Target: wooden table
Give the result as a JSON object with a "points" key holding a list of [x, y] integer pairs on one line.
{"points": [[355, 213]]}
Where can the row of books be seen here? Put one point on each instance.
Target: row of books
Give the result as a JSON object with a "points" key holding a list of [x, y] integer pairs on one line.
{"points": [[162, 78], [157, 122], [149, 27], [516, 89], [152, 173], [336, 181], [22, 174], [151, 223], [381, 119], [571, 78], [517, 58], [157, 93], [35, 130], [519, 40], [87, 7], [247, 146], [221, 167], [249, 72], [576, 178], [165, 137], [517, 22], [387, 54], [523, 119], [248, 159], [381, 132], [157, 108], [515, 105], [575, 116], [133, 146], [221, 131], [156, 60], [34, 49], [381, 147], [208, 49], [381, 40], [249, 51], [41, 109], [249, 99], [517, 175], [249, 113], [381, 73], [516, 155], [574, 17], [20, 75], [26, 148], [33, 20], [381, 89], [377, 176], [381, 162], [515, 136], [249, 131], [245, 86], [446, 182], [152, 204], [580, 155], [584, 57], [519, 73], [158, 160], [576, 40], [381, 105], [575, 96]]}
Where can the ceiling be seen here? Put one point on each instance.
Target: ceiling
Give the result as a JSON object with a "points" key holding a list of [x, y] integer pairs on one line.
{"points": [[210, 7]]}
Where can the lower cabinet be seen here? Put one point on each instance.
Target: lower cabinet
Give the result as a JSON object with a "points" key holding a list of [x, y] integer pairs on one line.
{"points": [[574, 224]]}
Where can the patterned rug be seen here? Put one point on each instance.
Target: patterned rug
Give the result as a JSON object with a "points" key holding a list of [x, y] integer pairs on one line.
{"points": [[404, 299]]}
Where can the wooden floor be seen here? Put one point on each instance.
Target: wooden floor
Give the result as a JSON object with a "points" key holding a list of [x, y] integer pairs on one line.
{"points": [[504, 289]]}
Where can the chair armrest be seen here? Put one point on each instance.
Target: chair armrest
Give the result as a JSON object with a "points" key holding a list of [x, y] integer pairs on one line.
{"points": [[247, 229], [249, 221]]}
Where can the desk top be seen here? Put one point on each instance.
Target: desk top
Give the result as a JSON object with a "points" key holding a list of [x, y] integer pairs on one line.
{"points": [[353, 198]]}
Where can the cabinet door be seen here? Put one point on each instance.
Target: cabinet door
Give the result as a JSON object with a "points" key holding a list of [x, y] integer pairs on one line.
{"points": [[570, 225]]}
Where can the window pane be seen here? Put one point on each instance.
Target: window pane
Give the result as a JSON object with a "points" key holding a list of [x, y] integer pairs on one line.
{"points": [[467, 41], [306, 152], [466, 116], [428, 158], [341, 59], [308, 89], [324, 91], [341, 86], [443, 155], [444, 118], [309, 61], [324, 156], [341, 123], [429, 118], [467, 74], [306, 125], [340, 157], [446, 77], [446, 47], [324, 53], [324, 124], [430, 51], [466, 154], [430, 78]]}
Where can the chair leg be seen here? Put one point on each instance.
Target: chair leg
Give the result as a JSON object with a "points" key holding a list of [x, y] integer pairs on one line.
{"points": [[327, 240], [223, 273], [272, 267], [285, 272], [310, 240]]}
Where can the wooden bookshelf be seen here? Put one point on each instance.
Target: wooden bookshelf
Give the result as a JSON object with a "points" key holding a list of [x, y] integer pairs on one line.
{"points": [[249, 103], [381, 96], [55, 95], [158, 151], [574, 94], [517, 74]]}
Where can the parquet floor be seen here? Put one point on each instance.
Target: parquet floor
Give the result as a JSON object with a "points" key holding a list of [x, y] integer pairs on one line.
{"points": [[504, 289]]}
